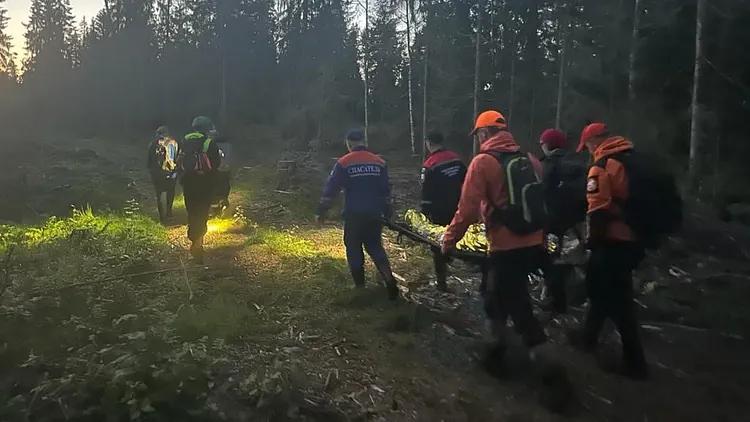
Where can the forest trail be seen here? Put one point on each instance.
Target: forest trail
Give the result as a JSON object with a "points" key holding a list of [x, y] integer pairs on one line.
{"points": [[286, 337]]}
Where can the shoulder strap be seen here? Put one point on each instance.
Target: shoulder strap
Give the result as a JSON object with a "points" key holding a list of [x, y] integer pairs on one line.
{"points": [[620, 156], [206, 145]]}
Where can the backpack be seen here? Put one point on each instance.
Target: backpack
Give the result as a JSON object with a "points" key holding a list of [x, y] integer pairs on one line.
{"points": [[525, 211], [567, 199], [653, 209], [166, 155], [195, 158]]}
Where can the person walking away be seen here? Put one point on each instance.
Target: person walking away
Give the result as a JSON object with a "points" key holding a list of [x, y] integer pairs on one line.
{"points": [[443, 174], [364, 178], [632, 203], [503, 189], [162, 166], [565, 195], [199, 159]]}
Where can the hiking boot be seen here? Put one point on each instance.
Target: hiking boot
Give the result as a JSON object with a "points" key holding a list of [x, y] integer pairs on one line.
{"points": [[359, 279], [493, 360], [632, 371], [196, 250], [556, 392], [393, 291], [386, 274]]}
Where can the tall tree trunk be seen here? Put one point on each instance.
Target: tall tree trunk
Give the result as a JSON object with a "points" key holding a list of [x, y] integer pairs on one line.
{"points": [[563, 30], [475, 142], [631, 62], [512, 94], [424, 101], [223, 12], [169, 22], [408, 64], [367, 86], [223, 113], [695, 161], [532, 112]]}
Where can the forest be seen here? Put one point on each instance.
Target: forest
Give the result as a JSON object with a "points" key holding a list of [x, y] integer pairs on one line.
{"points": [[108, 311], [314, 68]]}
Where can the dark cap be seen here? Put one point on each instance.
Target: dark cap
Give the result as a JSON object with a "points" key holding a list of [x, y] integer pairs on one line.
{"points": [[355, 135], [436, 138]]}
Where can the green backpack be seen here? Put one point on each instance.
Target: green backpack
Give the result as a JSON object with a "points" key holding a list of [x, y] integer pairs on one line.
{"points": [[526, 210]]}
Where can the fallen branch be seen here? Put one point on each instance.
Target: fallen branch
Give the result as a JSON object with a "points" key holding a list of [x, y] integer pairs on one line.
{"points": [[187, 280], [673, 325], [731, 275]]}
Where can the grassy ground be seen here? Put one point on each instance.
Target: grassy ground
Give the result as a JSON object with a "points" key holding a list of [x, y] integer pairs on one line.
{"points": [[106, 318]]}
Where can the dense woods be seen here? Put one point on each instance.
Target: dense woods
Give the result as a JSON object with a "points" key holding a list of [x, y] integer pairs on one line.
{"points": [[312, 68]]}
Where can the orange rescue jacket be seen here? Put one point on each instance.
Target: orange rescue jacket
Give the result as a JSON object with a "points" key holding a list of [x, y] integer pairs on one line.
{"points": [[482, 191], [606, 189]]}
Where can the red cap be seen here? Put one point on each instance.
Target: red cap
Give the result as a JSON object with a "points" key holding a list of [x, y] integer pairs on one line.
{"points": [[553, 138], [593, 130], [489, 118]]}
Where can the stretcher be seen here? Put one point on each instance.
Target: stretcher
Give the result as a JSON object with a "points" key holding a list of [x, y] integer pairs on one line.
{"points": [[404, 230]]}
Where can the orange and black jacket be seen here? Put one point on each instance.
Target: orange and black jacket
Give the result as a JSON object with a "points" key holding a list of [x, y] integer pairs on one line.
{"points": [[606, 191], [443, 174], [363, 176]]}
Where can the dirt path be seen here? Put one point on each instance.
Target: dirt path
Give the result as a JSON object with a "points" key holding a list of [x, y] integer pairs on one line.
{"points": [[416, 360], [276, 293]]}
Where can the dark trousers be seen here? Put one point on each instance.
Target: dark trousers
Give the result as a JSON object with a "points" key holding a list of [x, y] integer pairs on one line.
{"points": [[365, 231], [198, 191], [609, 281], [507, 292], [555, 278], [164, 188], [441, 267]]}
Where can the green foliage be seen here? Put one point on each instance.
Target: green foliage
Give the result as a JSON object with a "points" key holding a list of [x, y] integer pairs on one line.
{"points": [[109, 230], [282, 243], [87, 345]]}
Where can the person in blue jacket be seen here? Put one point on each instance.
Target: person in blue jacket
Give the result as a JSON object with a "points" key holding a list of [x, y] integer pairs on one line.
{"points": [[363, 176]]}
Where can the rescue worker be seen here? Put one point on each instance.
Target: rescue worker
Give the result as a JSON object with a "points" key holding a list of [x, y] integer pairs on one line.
{"points": [[615, 251], [512, 256], [199, 160], [364, 178], [162, 165], [565, 195], [443, 174]]}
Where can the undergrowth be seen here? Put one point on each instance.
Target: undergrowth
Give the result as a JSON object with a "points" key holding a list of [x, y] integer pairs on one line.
{"points": [[99, 323]]}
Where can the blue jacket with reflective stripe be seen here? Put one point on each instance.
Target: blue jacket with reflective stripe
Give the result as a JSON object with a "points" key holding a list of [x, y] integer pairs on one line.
{"points": [[363, 176]]}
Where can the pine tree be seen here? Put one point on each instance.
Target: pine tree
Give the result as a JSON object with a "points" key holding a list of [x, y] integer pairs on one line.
{"points": [[385, 62], [48, 35], [7, 62]]}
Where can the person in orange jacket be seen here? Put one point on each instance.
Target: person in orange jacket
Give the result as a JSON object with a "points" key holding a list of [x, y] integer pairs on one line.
{"points": [[512, 256], [615, 250]]}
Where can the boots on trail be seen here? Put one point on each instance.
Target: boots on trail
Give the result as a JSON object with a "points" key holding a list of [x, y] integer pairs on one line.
{"points": [[196, 250]]}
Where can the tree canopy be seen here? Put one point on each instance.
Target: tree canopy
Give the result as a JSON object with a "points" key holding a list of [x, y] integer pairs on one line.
{"points": [[302, 66]]}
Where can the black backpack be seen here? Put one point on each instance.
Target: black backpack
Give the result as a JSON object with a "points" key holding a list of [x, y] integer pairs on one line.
{"points": [[194, 155], [568, 203], [653, 209], [526, 211]]}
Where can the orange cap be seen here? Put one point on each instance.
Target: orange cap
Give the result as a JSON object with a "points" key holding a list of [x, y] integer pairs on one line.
{"points": [[591, 131], [489, 118]]}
